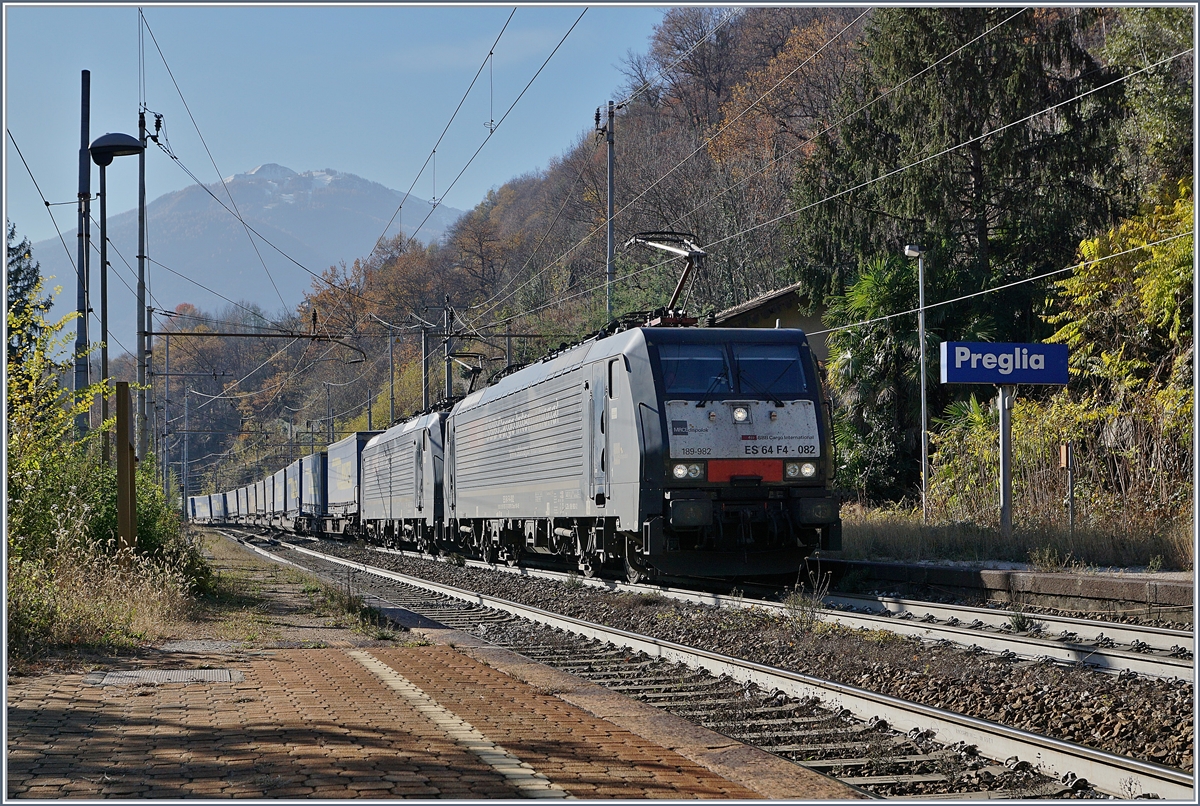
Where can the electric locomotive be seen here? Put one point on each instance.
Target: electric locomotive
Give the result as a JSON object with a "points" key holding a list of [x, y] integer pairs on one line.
{"points": [[674, 451], [662, 451]]}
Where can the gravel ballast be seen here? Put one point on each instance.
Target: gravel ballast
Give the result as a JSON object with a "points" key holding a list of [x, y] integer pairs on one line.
{"points": [[1139, 717]]}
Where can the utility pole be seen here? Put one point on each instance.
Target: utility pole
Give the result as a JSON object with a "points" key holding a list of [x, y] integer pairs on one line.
{"points": [[448, 319], [166, 430], [391, 375], [424, 367], [148, 394], [329, 407], [608, 132], [507, 345], [187, 436], [143, 348], [369, 427], [82, 233]]}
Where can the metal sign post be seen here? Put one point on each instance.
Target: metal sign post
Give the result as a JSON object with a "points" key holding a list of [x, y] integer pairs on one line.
{"points": [[1005, 366], [1005, 402]]}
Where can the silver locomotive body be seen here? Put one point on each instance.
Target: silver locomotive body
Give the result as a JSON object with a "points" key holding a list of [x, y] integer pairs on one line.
{"points": [[663, 448], [665, 451], [402, 483]]}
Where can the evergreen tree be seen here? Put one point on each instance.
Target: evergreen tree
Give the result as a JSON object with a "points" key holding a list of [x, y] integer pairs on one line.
{"points": [[24, 276], [990, 201], [1153, 47]]}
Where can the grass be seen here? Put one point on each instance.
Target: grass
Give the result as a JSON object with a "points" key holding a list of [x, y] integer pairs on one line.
{"points": [[78, 597], [805, 603], [899, 534]]}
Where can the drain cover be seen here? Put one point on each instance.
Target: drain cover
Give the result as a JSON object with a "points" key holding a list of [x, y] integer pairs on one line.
{"points": [[164, 676]]}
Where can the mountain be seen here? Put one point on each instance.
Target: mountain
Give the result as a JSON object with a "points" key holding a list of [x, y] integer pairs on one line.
{"points": [[317, 218]]}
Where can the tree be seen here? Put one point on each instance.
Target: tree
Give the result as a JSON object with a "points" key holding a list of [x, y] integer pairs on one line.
{"points": [[24, 297], [995, 187], [1157, 137], [1126, 310]]}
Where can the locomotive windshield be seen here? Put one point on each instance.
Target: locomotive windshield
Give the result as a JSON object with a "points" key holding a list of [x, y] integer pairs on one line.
{"points": [[769, 369], [756, 370], [701, 369]]}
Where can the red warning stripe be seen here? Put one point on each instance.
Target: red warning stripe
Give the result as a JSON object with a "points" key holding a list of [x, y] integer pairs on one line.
{"points": [[726, 469]]}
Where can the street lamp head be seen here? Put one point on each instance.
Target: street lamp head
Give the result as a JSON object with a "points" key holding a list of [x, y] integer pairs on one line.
{"points": [[110, 145], [912, 250]]}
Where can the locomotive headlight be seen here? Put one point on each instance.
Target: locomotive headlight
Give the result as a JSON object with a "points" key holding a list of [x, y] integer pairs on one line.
{"points": [[695, 471], [680, 471], [740, 414], [797, 470]]}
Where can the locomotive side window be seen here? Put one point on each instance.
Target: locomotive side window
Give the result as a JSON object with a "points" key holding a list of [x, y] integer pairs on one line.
{"points": [[769, 369], [700, 369]]}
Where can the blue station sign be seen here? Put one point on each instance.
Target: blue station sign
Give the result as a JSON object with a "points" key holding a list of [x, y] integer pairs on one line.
{"points": [[1004, 364]]}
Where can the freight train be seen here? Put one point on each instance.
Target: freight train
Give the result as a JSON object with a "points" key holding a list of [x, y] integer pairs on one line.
{"points": [[662, 452]]}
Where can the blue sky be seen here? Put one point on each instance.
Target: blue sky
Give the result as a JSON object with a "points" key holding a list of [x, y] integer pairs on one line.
{"points": [[365, 90]]}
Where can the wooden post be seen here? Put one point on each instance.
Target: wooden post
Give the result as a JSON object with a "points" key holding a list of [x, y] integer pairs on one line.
{"points": [[126, 465]]}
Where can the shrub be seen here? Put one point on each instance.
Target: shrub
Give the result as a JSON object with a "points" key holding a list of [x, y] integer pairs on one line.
{"points": [[68, 585]]}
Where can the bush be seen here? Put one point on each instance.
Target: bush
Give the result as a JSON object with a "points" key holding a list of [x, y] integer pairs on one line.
{"points": [[68, 585], [1132, 476]]}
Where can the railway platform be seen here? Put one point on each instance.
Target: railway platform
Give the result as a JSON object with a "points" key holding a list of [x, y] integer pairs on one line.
{"points": [[438, 714]]}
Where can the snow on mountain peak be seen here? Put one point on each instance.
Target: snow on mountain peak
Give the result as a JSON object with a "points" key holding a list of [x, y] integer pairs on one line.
{"points": [[270, 170]]}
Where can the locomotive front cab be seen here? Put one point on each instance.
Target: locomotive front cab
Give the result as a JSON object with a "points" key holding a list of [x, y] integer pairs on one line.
{"points": [[746, 460]]}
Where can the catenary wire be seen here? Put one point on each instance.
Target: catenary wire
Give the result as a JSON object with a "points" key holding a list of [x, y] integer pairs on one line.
{"points": [[1044, 276], [582, 169], [433, 151], [843, 119], [503, 117], [224, 186], [868, 182], [43, 197], [200, 285], [629, 205]]}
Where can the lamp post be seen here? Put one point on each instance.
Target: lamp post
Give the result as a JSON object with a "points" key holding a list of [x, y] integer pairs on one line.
{"points": [[912, 250], [103, 150]]}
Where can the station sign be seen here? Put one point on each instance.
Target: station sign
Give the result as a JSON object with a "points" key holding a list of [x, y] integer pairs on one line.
{"points": [[1004, 364]]}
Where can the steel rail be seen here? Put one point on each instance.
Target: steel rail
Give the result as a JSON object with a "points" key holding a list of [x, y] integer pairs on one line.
{"points": [[1110, 773], [1161, 638], [1032, 647]]}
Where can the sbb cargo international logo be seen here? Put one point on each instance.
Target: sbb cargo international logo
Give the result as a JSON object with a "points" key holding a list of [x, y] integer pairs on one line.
{"points": [[1004, 364]]}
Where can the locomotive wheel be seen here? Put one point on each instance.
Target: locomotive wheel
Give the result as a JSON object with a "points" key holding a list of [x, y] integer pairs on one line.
{"points": [[632, 573], [511, 557], [490, 554], [587, 567]]}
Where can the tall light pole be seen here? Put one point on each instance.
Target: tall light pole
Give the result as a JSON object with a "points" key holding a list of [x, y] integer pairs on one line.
{"points": [[82, 302], [912, 250], [103, 150]]}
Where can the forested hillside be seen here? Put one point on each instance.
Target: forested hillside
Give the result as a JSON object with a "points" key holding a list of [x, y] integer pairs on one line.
{"points": [[1044, 154]]}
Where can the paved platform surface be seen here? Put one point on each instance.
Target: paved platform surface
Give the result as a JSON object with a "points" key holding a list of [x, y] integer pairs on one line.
{"points": [[467, 720]]}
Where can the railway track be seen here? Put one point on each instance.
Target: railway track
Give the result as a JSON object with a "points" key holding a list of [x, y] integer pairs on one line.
{"points": [[1104, 646], [886, 745]]}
